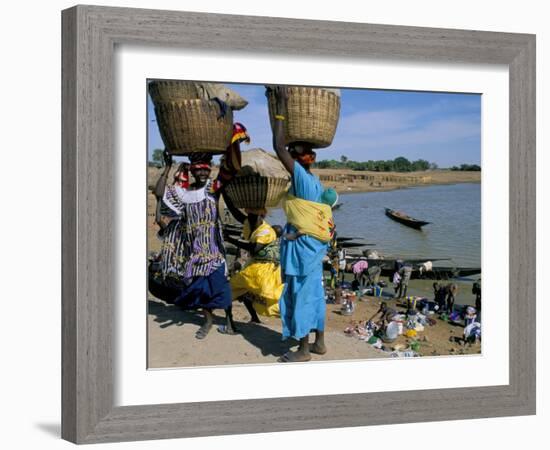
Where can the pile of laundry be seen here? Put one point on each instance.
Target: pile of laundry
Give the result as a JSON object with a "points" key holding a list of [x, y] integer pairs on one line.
{"points": [[379, 339]]}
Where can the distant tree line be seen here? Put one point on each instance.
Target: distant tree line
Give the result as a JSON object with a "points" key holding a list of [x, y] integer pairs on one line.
{"points": [[467, 167], [400, 164]]}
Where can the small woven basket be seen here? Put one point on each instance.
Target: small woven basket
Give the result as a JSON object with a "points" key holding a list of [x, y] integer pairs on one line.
{"points": [[256, 191], [172, 91], [191, 126], [311, 115]]}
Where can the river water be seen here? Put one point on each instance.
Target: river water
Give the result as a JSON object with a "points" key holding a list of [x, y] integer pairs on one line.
{"points": [[454, 210]]}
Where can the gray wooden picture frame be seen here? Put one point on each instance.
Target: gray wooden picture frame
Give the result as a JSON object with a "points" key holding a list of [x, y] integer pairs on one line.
{"points": [[90, 34]]}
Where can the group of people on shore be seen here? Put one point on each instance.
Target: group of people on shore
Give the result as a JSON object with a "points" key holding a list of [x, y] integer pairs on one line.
{"points": [[279, 280]]}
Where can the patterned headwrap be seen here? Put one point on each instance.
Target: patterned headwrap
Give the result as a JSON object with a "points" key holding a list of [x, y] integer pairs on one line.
{"points": [[200, 161], [240, 134]]}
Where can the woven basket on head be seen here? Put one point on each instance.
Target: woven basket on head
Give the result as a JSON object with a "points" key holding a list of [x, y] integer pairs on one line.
{"points": [[194, 126], [172, 91], [311, 115], [256, 191]]}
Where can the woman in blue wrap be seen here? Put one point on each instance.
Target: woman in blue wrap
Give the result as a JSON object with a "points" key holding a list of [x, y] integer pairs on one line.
{"points": [[302, 304]]}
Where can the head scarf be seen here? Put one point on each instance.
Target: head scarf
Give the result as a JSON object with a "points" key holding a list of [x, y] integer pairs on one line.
{"points": [[240, 134], [200, 161]]}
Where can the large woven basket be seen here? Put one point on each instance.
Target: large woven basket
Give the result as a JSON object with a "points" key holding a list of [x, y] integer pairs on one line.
{"points": [[311, 115], [256, 191], [172, 91], [192, 126]]}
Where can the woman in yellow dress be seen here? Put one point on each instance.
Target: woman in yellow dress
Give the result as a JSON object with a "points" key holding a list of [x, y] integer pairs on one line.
{"points": [[259, 282]]}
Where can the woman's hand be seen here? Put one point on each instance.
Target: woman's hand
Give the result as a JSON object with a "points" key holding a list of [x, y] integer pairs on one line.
{"points": [[167, 157]]}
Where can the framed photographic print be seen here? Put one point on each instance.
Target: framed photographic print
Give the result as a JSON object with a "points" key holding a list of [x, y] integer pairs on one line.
{"points": [[293, 229]]}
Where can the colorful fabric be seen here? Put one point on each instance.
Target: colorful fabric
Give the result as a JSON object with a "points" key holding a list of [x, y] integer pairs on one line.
{"points": [[302, 303], [311, 218], [360, 266], [239, 133], [193, 243], [263, 234], [230, 162], [261, 277], [211, 291], [300, 256], [197, 166]]}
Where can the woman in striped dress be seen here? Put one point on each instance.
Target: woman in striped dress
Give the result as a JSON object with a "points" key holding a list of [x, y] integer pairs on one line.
{"points": [[190, 271]]}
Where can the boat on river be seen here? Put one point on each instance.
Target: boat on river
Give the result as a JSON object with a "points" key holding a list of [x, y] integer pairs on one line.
{"points": [[405, 219]]}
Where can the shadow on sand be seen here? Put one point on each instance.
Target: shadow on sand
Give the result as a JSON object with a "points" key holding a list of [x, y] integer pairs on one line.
{"points": [[168, 315], [268, 341]]}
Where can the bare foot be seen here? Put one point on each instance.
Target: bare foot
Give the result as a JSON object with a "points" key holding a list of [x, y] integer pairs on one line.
{"points": [[203, 331], [224, 329], [295, 357], [317, 348]]}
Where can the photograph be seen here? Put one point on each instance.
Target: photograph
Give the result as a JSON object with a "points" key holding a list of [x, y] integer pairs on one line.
{"points": [[294, 224], [260, 225]]}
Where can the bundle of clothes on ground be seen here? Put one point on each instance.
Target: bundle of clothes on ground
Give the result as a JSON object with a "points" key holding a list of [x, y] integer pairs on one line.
{"points": [[382, 333]]}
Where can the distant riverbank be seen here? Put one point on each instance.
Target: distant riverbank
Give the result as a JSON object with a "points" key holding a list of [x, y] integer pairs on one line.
{"points": [[346, 181]]}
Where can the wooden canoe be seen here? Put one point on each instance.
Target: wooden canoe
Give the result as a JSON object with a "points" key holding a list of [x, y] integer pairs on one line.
{"points": [[405, 220]]}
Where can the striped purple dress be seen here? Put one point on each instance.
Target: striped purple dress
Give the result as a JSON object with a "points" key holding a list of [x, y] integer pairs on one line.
{"points": [[192, 258]]}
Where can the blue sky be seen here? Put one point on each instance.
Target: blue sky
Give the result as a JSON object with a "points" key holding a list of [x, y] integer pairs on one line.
{"points": [[376, 124]]}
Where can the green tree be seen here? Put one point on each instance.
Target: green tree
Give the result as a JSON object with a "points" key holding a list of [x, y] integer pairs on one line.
{"points": [[157, 156], [420, 164], [402, 164]]}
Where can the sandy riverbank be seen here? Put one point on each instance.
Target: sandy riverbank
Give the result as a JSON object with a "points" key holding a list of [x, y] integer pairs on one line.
{"points": [[348, 181], [171, 341]]}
